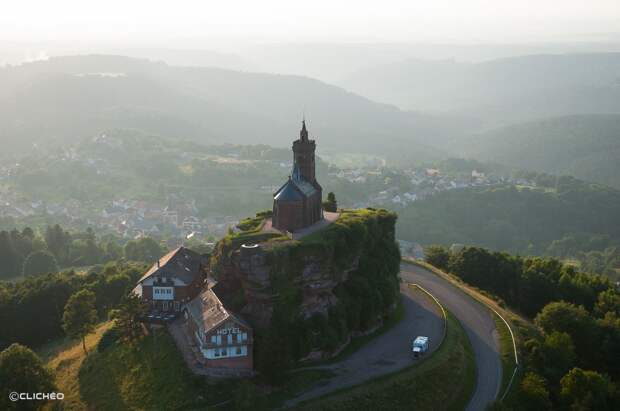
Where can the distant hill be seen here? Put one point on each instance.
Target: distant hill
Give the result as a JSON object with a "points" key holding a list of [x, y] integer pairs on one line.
{"points": [[509, 89], [574, 217], [66, 98], [585, 146]]}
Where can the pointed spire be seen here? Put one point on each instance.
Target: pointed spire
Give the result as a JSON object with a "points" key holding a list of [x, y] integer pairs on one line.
{"points": [[303, 134]]}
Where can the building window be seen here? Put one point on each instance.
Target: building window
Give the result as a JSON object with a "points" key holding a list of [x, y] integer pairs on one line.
{"points": [[229, 339], [163, 293], [219, 340], [239, 337], [224, 352], [214, 339], [245, 336], [238, 350]]}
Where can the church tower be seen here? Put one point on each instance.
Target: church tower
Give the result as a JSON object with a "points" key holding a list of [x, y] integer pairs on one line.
{"points": [[298, 203], [303, 155]]}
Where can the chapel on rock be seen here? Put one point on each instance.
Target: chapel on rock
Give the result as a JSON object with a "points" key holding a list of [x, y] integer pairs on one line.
{"points": [[298, 203]]}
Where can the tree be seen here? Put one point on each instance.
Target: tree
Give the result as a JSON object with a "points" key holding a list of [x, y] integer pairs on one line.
{"points": [[534, 394], [21, 370], [607, 301], [80, 315], [84, 252], [559, 353], [40, 262], [568, 318], [437, 256], [331, 204], [113, 289], [586, 390], [127, 316], [58, 241], [112, 251], [8, 256], [144, 249]]}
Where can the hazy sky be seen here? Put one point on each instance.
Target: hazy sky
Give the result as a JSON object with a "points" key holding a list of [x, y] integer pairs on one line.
{"points": [[167, 21]]}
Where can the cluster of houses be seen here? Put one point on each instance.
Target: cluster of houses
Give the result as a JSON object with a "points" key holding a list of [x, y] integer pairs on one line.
{"points": [[418, 184], [131, 218], [216, 340], [14, 206], [124, 217]]}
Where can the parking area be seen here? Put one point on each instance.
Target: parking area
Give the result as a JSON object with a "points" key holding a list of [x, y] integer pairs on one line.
{"points": [[160, 317]]}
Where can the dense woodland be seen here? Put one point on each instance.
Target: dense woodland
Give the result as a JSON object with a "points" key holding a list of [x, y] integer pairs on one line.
{"points": [[31, 310], [571, 220], [572, 357], [584, 146], [28, 252]]}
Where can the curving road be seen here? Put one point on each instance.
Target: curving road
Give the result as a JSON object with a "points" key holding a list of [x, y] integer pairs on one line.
{"points": [[386, 353], [477, 322]]}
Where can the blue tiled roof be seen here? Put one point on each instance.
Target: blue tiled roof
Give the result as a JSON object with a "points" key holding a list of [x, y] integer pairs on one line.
{"points": [[288, 192]]}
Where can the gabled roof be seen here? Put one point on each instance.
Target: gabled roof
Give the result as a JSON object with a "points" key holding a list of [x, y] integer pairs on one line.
{"points": [[182, 264], [288, 192], [305, 187], [295, 188], [209, 312]]}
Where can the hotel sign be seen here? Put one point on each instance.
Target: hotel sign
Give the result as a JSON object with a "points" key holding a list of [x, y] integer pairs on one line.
{"points": [[230, 330]]}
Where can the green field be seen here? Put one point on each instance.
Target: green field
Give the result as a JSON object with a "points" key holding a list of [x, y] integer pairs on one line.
{"points": [[148, 375]]}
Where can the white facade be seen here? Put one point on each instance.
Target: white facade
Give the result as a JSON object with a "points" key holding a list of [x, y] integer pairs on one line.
{"points": [[163, 293], [225, 352]]}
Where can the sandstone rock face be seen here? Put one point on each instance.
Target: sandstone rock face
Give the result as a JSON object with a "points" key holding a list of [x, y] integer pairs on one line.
{"points": [[307, 297], [249, 269]]}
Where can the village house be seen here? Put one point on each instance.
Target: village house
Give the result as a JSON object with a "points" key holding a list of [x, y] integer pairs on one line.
{"points": [[173, 280], [221, 340], [192, 224], [224, 339]]}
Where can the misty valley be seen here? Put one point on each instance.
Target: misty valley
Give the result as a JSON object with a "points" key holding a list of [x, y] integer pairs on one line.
{"points": [[331, 226]]}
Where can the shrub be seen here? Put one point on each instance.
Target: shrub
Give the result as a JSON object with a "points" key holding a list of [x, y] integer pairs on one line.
{"points": [[109, 338]]}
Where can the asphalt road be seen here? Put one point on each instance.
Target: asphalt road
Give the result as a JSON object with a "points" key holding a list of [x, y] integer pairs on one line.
{"points": [[477, 322], [388, 352]]}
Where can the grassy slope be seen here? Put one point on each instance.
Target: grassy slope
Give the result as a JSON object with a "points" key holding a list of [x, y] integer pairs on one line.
{"points": [[65, 357], [150, 375], [444, 380]]}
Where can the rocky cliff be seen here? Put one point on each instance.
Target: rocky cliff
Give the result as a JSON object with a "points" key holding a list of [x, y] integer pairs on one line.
{"points": [[317, 291]]}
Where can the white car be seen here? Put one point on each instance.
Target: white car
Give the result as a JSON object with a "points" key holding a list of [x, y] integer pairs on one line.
{"points": [[419, 346]]}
